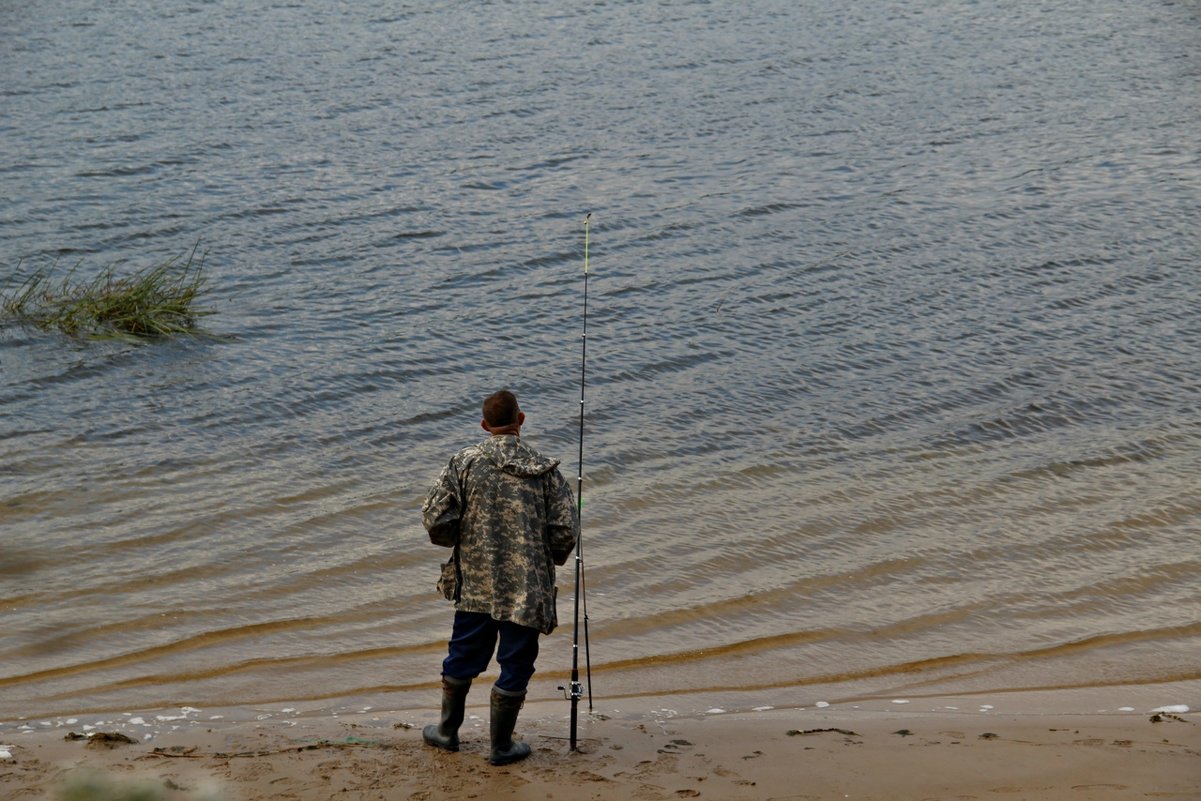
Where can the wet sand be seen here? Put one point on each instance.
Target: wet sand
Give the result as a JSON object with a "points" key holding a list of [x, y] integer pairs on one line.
{"points": [[1020, 746]]}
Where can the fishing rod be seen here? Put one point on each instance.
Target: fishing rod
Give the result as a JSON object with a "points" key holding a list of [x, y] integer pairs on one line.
{"points": [[576, 690]]}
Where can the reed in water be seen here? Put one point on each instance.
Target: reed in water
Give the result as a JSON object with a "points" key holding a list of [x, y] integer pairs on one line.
{"points": [[156, 301]]}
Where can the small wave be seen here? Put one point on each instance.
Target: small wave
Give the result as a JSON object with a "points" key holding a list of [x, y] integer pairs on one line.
{"points": [[119, 172], [770, 208]]}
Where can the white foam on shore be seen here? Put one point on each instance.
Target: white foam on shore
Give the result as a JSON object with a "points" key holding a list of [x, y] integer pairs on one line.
{"points": [[1172, 709], [6, 752]]}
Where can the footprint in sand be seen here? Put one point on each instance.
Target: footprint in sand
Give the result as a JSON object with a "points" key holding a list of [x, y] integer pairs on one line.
{"points": [[648, 792], [589, 776], [675, 745]]}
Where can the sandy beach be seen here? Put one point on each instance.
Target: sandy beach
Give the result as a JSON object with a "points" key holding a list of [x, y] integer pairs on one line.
{"points": [[1062, 745]]}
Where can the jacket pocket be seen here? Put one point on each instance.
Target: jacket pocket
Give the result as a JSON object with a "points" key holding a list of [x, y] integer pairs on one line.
{"points": [[448, 582]]}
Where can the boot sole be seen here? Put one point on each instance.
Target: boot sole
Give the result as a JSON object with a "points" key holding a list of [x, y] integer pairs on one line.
{"points": [[452, 747], [509, 760]]}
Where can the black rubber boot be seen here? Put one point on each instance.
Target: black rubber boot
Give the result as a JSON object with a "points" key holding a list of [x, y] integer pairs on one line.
{"points": [[445, 735], [505, 706]]}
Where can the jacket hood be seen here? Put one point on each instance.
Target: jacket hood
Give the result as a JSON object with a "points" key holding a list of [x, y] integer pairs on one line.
{"points": [[513, 456]]}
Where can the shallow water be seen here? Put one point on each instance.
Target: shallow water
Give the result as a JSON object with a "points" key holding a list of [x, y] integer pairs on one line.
{"points": [[893, 349]]}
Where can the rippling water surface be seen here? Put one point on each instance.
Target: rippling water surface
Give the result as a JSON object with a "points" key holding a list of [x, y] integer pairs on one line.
{"points": [[894, 350]]}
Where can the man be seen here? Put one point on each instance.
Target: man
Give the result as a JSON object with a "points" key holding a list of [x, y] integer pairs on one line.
{"points": [[510, 516]]}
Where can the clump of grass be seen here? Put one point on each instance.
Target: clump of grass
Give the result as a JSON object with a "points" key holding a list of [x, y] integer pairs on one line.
{"points": [[156, 301], [91, 785]]}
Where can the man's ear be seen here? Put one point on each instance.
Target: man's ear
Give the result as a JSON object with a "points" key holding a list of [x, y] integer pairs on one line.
{"points": [[521, 418], [484, 425]]}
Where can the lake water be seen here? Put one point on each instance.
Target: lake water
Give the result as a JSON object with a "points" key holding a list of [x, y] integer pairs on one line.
{"points": [[894, 351]]}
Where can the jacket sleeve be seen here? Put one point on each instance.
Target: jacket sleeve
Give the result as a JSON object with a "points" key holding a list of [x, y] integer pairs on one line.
{"points": [[443, 508], [562, 518]]}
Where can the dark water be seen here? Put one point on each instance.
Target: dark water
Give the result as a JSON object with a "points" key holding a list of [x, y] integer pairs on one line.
{"points": [[894, 352]]}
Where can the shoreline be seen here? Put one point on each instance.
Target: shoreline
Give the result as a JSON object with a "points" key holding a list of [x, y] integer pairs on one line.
{"points": [[1094, 744]]}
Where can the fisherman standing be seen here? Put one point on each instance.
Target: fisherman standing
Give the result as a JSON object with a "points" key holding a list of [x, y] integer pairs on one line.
{"points": [[510, 517]]}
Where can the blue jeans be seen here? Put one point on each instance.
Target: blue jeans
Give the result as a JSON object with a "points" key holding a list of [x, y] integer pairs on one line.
{"points": [[473, 640]]}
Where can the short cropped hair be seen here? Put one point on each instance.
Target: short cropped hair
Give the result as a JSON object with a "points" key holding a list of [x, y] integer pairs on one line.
{"points": [[500, 409]]}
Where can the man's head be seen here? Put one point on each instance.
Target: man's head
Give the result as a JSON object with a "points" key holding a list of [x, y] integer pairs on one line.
{"points": [[502, 415]]}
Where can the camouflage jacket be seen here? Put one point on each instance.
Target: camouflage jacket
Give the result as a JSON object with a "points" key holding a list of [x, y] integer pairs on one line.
{"points": [[514, 518]]}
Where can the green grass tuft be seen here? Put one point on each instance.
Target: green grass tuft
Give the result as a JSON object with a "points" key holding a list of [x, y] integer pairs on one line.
{"points": [[91, 785], [157, 301]]}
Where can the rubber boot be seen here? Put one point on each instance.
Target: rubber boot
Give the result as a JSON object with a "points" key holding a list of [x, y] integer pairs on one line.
{"points": [[505, 706], [445, 735]]}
